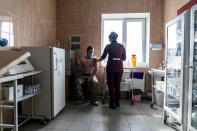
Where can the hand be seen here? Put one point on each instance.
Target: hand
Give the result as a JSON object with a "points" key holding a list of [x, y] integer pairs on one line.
{"points": [[98, 60], [95, 60]]}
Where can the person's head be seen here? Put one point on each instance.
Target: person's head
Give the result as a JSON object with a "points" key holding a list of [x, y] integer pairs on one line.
{"points": [[113, 36], [90, 51]]}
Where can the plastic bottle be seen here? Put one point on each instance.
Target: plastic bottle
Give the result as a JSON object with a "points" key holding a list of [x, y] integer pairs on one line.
{"points": [[133, 60]]}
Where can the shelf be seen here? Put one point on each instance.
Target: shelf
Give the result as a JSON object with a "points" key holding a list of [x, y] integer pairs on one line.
{"points": [[6, 126], [26, 97], [179, 41], [158, 72], [19, 99], [174, 62], [17, 76], [176, 67], [168, 78], [172, 68], [6, 107], [11, 78], [194, 84], [171, 77], [173, 113], [193, 127], [158, 88], [178, 57], [31, 73], [173, 96], [14, 78]]}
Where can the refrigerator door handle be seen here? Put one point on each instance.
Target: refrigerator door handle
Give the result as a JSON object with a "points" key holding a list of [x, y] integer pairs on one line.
{"points": [[55, 60]]}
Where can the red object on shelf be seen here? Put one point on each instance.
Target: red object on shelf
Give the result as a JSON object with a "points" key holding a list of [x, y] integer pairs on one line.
{"points": [[186, 6]]}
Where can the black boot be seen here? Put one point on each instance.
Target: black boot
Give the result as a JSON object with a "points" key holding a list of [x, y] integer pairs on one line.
{"points": [[112, 105], [117, 103]]}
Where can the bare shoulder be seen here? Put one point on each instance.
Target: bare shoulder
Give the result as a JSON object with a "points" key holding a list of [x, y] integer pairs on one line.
{"points": [[94, 59]]}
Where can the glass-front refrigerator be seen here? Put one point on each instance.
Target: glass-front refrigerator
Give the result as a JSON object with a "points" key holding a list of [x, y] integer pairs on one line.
{"points": [[177, 60], [192, 111]]}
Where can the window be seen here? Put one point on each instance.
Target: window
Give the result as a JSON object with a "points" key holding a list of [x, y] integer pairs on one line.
{"points": [[133, 33], [6, 32]]}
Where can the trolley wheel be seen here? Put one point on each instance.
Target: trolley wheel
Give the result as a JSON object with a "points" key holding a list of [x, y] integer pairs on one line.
{"points": [[103, 101], [132, 102], [44, 121], [151, 105], [165, 118], [165, 121]]}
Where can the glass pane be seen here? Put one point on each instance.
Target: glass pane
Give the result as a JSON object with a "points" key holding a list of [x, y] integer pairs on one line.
{"points": [[112, 25], [194, 87], [5, 27], [135, 40], [173, 78], [109, 26]]}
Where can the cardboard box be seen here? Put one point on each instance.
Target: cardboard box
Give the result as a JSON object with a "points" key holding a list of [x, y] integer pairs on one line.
{"points": [[8, 92]]}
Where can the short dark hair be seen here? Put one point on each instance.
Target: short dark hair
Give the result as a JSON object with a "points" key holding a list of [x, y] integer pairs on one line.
{"points": [[89, 48], [113, 35]]}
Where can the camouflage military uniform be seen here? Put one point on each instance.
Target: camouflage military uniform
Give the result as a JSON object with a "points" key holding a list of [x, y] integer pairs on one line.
{"points": [[83, 87]]}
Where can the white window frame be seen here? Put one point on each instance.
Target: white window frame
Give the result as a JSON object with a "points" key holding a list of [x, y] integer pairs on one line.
{"points": [[11, 35], [126, 17]]}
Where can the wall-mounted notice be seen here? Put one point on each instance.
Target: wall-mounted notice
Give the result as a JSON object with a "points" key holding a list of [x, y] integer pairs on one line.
{"points": [[156, 46]]}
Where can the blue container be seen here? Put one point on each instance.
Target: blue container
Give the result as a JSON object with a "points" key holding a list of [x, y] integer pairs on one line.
{"points": [[3, 42]]}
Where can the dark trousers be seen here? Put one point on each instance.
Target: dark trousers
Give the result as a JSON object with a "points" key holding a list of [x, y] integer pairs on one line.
{"points": [[113, 81]]}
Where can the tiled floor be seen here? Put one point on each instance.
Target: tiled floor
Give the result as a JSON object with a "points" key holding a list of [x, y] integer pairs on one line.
{"points": [[137, 117]]}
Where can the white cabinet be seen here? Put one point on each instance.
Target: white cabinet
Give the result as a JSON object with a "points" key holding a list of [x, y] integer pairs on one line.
{"points": [[192, 111], [177, 61]]}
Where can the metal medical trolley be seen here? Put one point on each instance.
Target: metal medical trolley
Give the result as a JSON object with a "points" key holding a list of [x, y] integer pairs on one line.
{"points": [[14, 78], [156, 75]]}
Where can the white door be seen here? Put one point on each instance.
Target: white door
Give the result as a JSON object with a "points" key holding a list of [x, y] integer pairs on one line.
{"points": [[58, 60]]}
